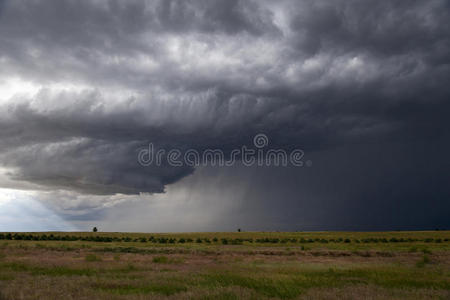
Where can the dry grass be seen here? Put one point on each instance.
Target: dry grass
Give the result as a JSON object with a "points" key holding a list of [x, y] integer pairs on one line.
{"points": [[83, 270]]}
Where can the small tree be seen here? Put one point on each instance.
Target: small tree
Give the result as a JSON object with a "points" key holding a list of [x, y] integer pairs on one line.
{"points": [[239, 230], [94, 229]]}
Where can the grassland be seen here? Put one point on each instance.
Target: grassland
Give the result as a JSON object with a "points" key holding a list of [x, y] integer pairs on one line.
{"points": [[244, 265]]}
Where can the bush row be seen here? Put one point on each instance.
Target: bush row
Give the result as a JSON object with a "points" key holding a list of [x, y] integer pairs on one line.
{"points": [[237, 241]]}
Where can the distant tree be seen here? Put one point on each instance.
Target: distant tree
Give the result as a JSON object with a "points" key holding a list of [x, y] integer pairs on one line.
{"points": [[94, 229], [239, 230]]}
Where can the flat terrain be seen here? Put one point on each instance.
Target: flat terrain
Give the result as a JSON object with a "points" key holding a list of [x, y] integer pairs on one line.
{"points": [[241, 265]]}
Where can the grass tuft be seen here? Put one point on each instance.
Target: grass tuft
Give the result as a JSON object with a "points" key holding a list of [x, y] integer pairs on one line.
{"points": [[166, 289], [92, 257], [160, 260], [425, 260]]}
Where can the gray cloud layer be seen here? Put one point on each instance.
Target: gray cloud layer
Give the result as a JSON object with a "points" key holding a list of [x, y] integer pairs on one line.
{"points": [[105, 78]]}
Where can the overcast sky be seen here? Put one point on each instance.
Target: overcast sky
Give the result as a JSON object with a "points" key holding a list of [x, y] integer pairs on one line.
{"points": [[361, 87]]}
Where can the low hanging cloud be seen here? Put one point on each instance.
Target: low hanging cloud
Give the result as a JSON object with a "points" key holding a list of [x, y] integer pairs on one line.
{"points": [[85, 86]]}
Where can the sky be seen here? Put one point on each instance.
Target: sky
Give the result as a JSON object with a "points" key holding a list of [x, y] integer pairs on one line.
{"points": [[359, 88]]}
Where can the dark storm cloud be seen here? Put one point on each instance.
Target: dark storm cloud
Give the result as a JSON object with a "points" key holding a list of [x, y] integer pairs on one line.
{"points": [[107, 77], [380, 27]]}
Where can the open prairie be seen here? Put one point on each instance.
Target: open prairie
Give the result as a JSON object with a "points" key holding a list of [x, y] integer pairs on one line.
{"points": [[240, 265]]}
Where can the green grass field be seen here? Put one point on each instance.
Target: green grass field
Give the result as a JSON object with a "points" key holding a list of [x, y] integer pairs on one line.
{"points": [[244, 265]]}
